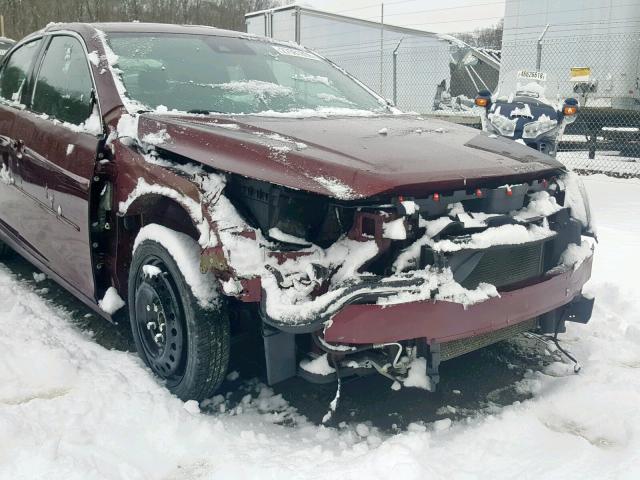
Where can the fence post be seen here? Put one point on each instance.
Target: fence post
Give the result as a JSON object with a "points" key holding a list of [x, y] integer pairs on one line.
{"points": [[395, 85], [381, 48], [297, 20], [539, 56], [395, 73]]}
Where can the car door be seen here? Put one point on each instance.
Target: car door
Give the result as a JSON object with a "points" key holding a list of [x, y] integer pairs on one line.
{"points": [[61, 132], [14, 76]]}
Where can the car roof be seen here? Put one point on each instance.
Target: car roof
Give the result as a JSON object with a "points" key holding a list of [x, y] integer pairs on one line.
{"points": [[140, 27]]}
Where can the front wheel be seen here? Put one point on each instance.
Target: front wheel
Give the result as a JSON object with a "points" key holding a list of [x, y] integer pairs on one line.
{"points": [[184, 343]]}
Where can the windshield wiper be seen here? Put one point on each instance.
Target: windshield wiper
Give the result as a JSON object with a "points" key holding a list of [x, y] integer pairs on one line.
{"points": [[202, 111]]}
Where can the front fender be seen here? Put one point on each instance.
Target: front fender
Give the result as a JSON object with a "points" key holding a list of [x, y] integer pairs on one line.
{"points": [[140, 180]]}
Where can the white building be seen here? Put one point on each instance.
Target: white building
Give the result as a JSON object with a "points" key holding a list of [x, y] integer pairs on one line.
{"points": [[366, 50]]}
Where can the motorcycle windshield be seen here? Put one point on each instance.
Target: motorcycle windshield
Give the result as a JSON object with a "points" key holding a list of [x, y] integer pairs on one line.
{"points": [[530, 86], [521, 107]]}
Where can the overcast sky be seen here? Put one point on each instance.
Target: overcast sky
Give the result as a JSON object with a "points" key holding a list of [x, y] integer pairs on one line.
{"points": [[441, 16]]}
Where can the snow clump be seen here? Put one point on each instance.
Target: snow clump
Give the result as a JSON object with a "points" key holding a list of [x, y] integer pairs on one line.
{"points": [[111, 302]]}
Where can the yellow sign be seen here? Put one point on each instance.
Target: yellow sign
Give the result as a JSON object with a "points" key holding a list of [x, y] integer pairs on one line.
{"points": [[580, 74]]}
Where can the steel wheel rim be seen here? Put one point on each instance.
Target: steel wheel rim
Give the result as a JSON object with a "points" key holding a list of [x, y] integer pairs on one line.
{"points": [[160, 322]]}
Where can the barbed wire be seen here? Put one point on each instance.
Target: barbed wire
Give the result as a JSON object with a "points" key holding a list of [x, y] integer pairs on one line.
{"points": [[389, 43], [524, 30], [505, 17]]}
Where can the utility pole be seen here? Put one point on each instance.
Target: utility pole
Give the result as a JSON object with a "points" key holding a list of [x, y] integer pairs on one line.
{"points": [[381, 46], [1, 25]]}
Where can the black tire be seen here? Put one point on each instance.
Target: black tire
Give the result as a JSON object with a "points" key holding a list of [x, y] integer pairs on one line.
{"points": [[193, 355]]}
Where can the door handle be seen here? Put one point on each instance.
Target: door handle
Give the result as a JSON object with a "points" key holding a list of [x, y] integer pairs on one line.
{"points": [[50, 196], [19, 147]]}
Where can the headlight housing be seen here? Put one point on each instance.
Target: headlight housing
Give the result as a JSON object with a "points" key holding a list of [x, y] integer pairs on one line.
{"points": [[576, 198], [503, 125], [534, 129], [590, 226]]}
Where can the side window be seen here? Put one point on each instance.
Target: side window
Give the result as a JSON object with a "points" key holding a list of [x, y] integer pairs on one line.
{"points": [[63, 88], [14, 74]]}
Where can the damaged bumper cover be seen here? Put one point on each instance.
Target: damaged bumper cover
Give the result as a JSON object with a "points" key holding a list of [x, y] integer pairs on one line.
{"points": [[355, 318]]}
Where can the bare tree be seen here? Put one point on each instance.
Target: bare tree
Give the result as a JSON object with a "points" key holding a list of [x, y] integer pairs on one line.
{"points": [[489, 37], [25, 16]]}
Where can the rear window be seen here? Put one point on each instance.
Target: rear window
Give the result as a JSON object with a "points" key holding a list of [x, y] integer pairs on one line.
{"points": [[232, 75], [64, 85], [13, 76]]}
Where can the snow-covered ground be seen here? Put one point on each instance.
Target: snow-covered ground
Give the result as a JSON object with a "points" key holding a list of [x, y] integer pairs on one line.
{"points": [[611, 162], [69, 408]]}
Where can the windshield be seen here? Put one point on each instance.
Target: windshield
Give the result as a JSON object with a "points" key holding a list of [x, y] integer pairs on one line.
{"points": [[199, 73]]}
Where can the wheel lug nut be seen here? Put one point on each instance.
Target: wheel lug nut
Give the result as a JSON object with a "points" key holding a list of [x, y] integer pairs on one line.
{"points": [[159, 338], [151, 325]]}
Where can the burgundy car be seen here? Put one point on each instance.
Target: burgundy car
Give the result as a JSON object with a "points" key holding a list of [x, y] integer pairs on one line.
{"points": [[203, 182]]}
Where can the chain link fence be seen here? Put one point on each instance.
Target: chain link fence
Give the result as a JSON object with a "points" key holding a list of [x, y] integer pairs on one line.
{"points": [[601, 71]]}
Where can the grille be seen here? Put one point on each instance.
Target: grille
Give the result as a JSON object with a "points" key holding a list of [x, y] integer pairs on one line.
{"points": [[455, 348], [507, 265]]}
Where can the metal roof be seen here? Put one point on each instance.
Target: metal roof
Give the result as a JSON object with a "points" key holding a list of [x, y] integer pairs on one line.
{"points": [[343, 18]]}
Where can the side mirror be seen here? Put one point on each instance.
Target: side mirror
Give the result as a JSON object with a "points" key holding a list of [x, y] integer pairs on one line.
{"points": [[483, 99], [570, 109]]}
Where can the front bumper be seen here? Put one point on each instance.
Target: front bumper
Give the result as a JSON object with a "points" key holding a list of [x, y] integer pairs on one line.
{"points": [[440, 321]]}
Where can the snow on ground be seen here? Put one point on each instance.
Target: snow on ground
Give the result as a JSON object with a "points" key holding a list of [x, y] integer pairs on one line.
{"points": [[605, 161], [71, 409]]}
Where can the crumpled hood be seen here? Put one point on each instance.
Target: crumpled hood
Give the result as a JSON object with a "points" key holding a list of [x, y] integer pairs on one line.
{"points": [[348, 157]]}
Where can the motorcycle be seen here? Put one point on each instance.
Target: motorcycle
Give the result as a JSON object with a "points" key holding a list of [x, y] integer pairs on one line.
{"points": [[527, 115]]}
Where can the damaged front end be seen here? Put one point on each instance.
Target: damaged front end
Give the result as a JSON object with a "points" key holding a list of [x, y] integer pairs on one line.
{"points": [[397, 286]]}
